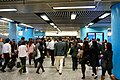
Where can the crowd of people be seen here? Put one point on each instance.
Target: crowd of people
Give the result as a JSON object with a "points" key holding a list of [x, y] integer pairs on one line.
{"points": [[58, 49]]}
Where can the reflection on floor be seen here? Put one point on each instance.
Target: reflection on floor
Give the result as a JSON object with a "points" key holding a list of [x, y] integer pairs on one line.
{"points": [[50, 73]]}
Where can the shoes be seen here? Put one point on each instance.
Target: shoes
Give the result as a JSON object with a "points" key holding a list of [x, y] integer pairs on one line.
{"points": [[3, 70], [95, 77], [43, 71], [83, 77], [57, 69], [20, 71], [37, 72], [93, 74], [24, 71], [60, 73]]}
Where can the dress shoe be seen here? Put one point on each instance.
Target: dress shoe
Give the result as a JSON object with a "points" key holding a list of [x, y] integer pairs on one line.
{"points": [[60, 73], [83, 77], [95, 77], [38, 72], [24, 71], [93, 74]]}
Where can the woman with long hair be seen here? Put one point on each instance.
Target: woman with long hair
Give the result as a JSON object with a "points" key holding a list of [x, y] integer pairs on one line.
{"points": [[85, 57], [107, 64]]}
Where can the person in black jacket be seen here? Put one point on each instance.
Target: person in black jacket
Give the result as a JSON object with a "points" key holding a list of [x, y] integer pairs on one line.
{"points": [[86, 51], [73, 53], [107, 64], [41, 48], [94, 60]]}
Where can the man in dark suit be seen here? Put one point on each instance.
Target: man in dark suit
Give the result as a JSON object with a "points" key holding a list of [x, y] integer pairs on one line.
{"points": [[59, 53]]}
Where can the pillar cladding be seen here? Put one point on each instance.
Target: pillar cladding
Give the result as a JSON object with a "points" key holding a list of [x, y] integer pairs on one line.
{"points": [[12, 31], [115, 39]]}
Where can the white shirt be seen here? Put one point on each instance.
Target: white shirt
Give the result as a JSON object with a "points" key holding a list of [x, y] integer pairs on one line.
{"points": [[51, 45], [6, 48], [22, 51]]}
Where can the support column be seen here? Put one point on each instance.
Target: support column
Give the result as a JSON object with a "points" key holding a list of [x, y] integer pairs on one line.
{"points": [[12, 31], [115, 23]]}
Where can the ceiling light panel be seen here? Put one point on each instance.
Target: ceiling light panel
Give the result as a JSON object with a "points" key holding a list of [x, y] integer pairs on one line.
{"points": [[45, 17], [74, 7], [90, 24], [104, 15], [5, 10], [73, 16]]}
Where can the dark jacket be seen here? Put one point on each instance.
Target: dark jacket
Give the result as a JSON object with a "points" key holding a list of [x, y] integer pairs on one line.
{"points": [[60, 49], [74, 51], [94, 56], [107, 59]]}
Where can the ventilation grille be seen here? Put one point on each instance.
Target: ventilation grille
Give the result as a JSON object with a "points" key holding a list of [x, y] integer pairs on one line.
{"points": [[10, 0]]}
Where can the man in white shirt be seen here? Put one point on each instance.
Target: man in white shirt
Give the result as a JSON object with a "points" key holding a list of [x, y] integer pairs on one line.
{"points": [[22, 54], [51, 47], [7, 53]]}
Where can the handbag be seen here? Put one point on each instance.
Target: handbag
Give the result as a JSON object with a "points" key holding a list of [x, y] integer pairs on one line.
{"points": [[80, 54]]}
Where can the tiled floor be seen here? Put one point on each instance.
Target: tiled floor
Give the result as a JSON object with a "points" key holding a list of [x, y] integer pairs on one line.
{"points": [[50, 73]]}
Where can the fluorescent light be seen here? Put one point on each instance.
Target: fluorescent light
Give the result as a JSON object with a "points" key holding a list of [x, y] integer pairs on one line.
{"points": [[25, 25], [74, 7], [87, 26], [7, 10], [52, 24], [58, 29], [44, 17], [3, 21], [6, 19], [55, 26], [90, 24], [104, 15], [73, 16]]}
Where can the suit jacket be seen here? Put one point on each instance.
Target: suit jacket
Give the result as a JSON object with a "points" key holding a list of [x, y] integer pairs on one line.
{"points": [[60, 49]]}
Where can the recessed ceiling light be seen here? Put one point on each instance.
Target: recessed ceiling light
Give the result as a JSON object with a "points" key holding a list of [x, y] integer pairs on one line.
{"points": [[6, 19], [104, 15], [52, 24], [3, 21], [74, 7], [7, 10], [25, 25], [44, 17], [73, 16], [55, 26], [90, 24]]}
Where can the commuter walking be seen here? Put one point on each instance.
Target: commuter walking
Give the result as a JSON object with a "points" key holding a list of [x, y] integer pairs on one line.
{"points": [[85, 58], [59, 53], [1, 47], [31, 48], [6, 53], [107, 64], [94, 60], [22, 54], [14, 53], [40, 56], [51, 47], [73, 53]]}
